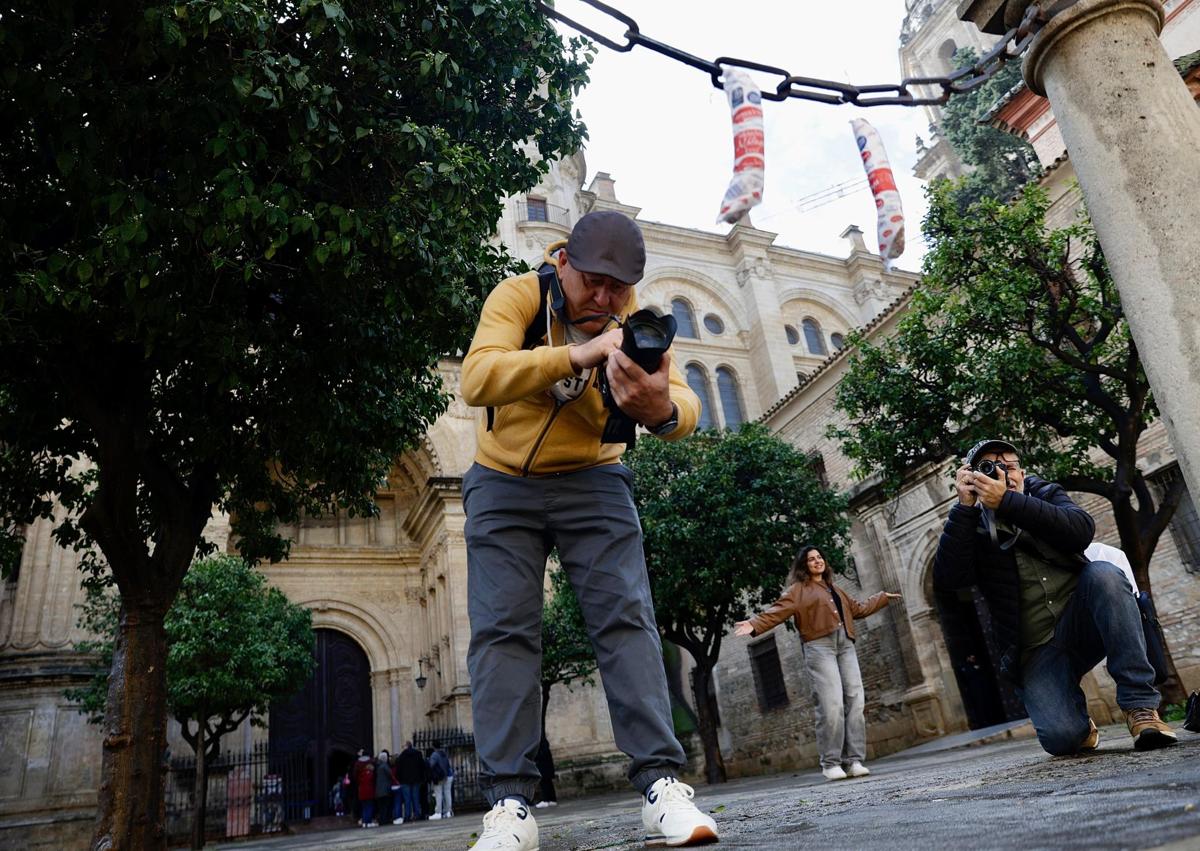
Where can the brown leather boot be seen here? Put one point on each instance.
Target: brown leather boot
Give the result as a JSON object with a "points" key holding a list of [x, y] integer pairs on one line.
{"points": [[1148, 730], [1093, 737]]}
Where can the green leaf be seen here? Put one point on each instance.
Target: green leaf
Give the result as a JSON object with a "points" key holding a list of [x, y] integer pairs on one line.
{"points": [[214, 15], [83, 270]]}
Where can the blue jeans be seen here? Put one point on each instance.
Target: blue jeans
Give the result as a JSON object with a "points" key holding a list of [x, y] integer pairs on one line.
{"points": [[368, 810], [1101, 619], [410, 793]]}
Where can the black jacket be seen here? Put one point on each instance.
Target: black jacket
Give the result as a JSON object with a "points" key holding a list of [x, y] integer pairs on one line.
{"points": [[410, 767], [1049, 521]]}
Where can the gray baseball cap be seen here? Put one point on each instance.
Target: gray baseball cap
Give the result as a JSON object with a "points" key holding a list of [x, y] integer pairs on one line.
{"points": [[985, 446], [608, 243]]}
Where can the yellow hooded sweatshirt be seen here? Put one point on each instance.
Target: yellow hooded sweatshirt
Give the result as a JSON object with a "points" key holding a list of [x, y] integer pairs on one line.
{"points": [[534, 434]]}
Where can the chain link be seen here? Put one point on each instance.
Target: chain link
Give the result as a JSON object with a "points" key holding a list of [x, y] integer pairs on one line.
{"points": [[1009, 47]]}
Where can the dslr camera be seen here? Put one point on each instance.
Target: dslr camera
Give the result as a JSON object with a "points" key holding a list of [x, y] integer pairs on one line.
{"points": [[646, 337]]}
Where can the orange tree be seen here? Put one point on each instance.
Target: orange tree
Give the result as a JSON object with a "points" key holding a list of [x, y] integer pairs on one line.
{"points": [[723, 513], [235, 237]]}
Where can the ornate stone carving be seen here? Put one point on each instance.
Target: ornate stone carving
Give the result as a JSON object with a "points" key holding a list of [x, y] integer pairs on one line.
{"points": [[865, 290], [758, 268]]}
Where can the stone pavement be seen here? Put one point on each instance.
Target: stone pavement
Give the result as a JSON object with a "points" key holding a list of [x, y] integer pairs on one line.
{"points": [[1006, 794]]}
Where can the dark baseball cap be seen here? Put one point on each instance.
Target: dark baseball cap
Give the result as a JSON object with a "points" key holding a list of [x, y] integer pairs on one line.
{"points": [[608, 243], [985, 446]]}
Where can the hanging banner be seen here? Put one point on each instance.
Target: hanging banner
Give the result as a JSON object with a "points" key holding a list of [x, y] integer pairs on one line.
{"points": [[889, 214], [745, 108]]}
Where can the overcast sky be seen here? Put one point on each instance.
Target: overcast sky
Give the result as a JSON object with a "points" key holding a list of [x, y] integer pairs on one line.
{"points": [[663, 132]]}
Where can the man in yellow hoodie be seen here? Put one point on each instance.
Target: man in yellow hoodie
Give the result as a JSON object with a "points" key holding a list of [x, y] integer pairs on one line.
{"points": [[543, 478]]}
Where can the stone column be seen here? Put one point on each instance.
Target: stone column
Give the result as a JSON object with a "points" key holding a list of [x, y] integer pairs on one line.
{"points": [[394, 701], [1133, 132], [770, 353]]}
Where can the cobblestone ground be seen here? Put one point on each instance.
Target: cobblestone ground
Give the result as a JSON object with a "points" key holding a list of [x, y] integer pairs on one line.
{"points": [[1004, 795]]}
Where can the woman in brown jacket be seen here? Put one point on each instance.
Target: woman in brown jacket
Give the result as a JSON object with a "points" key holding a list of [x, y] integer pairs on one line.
{"points": [[825, 615]]}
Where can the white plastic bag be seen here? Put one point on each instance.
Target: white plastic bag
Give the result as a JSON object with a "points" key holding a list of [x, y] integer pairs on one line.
{"points": [[889, 213], [745, 108]]}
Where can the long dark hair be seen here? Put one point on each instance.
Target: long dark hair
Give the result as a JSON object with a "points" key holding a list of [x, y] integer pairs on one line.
{"points": [[799, 571]]}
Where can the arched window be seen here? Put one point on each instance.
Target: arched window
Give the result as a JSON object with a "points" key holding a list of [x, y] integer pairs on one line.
{"points": [[697, 379], [793, 336], [813, 338], [684, 318], [946, 54], [839, 342], [731, 401]]}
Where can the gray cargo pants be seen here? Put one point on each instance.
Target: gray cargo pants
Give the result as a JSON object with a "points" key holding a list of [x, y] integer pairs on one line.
{"points": [[512, 523]]}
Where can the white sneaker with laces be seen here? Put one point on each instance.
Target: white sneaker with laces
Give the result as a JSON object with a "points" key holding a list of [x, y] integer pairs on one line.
{"points": [[857, 769], [834, 772], [508, 827], [672, 819]]}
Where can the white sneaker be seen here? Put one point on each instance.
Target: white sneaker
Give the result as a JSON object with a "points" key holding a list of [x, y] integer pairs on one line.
{"points": [[834, 772], [541, 805], [397, 821], [857, 769], [672, 819], [508, 827], [434, 816]]}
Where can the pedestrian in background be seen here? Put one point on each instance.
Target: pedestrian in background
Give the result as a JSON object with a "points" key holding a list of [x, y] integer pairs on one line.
{"points": [[825, 615], [545, 764], [410, 770], [441, 778], [383, 786], [364, 781], [427, 804]]}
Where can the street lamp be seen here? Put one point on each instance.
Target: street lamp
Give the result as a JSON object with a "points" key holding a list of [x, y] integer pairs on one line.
{"points": [[421, 678]]}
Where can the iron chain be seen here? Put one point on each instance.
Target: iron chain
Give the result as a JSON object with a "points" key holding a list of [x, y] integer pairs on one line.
{"points": [[1009, 47]]}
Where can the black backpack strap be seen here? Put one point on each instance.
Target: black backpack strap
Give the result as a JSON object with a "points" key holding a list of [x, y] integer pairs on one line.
{"points": [[547, 282]]}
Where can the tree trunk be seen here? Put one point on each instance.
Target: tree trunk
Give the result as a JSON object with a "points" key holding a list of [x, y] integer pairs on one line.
{"points": [[200, 798], [131, 807], [706, 709], [1173, 690], [1139, 538]]}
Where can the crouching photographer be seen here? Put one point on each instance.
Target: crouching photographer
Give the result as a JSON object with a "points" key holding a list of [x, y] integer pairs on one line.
{"points": [[548, 473], [1055, 614]]}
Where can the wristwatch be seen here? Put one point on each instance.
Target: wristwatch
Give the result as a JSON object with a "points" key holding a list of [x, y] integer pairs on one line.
{"points": [[669, 426]]}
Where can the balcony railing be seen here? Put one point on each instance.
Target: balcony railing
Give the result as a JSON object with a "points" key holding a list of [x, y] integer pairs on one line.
{"points": [[537, 211]]}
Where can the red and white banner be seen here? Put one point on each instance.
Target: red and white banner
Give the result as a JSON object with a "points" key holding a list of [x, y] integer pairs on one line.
{"points": [[889, 213], [745, 108]]}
